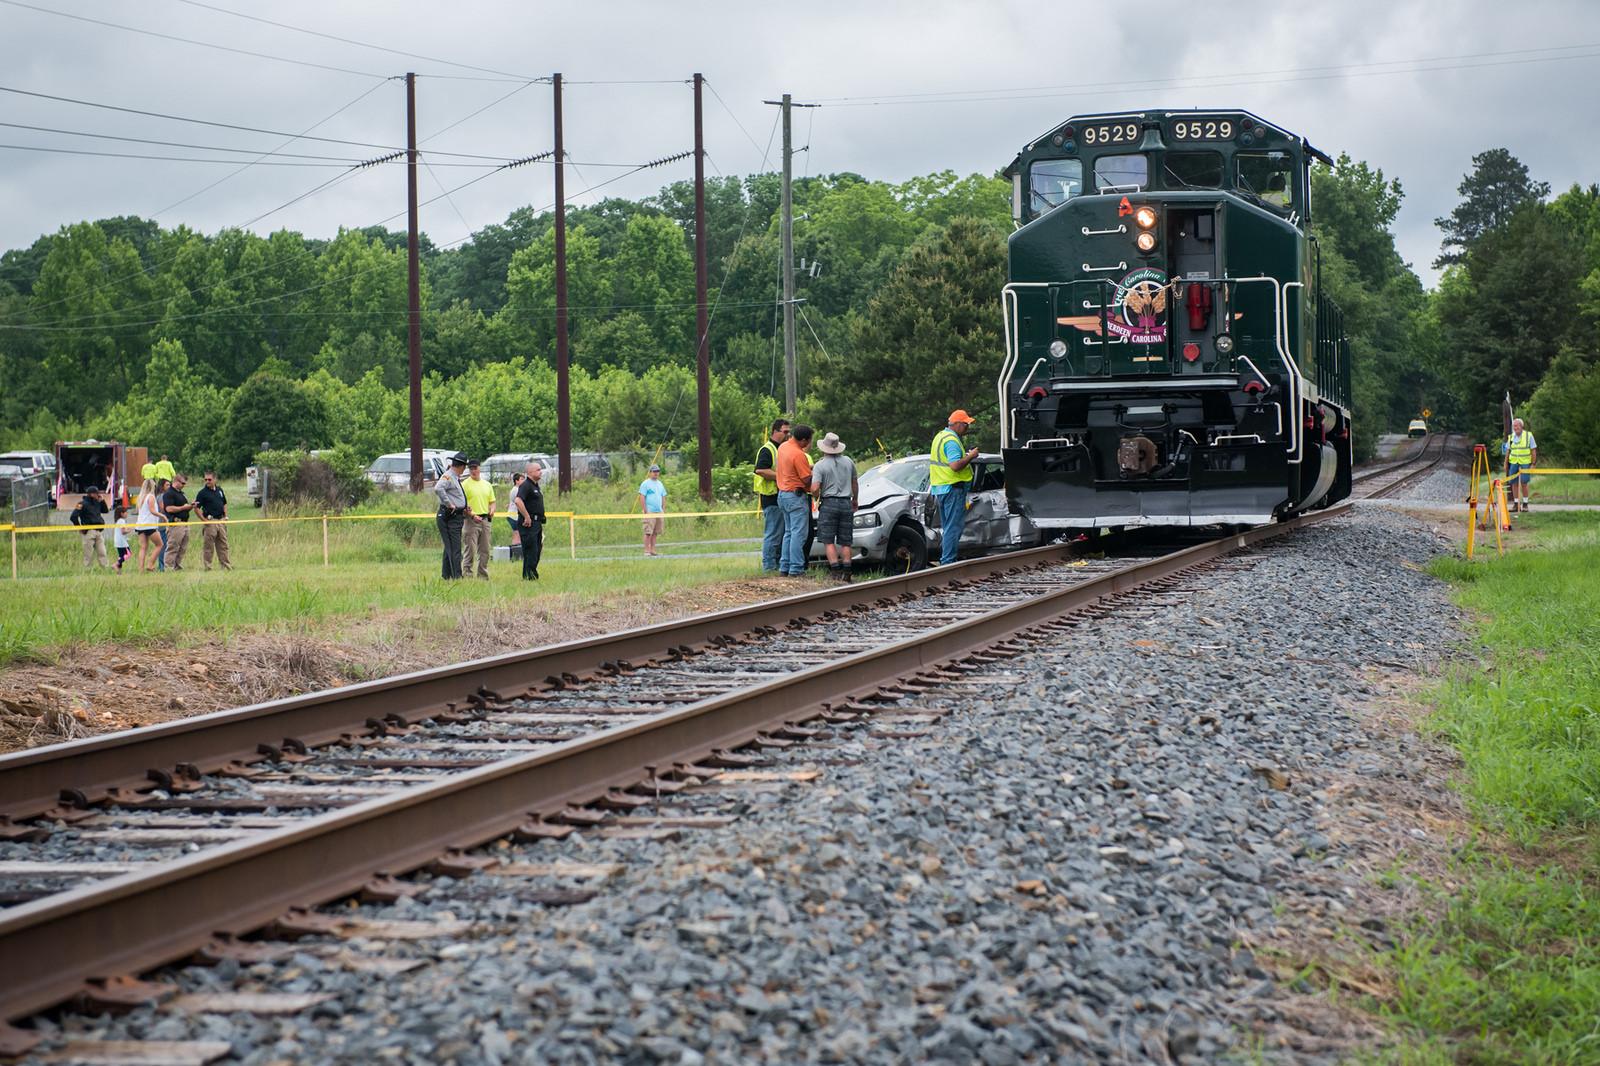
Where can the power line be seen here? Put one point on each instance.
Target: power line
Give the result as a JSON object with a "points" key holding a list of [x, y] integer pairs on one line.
{"points": [[178, 144], [357, 43], [190, 40], [228, 177], [89, 320], [220, 125], [493, 103], [163, 158]]}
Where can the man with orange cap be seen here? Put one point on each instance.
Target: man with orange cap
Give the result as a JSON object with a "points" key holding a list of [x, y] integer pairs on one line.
{"points": [[950, 476]]}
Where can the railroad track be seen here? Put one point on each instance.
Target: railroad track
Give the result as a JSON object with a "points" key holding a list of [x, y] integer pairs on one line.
{"points": [[222, 833], [1388, 480]]}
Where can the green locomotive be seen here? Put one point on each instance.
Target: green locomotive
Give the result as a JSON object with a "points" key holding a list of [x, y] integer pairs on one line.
{"points": [[1171, 355]]}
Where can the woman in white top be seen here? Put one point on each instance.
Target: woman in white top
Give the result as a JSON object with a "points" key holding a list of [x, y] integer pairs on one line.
{"points": [[149, 526]]}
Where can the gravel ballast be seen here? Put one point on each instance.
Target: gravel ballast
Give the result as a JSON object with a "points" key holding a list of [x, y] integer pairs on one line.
{"points": [[1057, 859]]}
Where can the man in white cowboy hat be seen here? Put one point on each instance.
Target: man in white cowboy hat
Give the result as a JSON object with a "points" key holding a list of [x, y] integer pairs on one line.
{"points": [[834, 482]]}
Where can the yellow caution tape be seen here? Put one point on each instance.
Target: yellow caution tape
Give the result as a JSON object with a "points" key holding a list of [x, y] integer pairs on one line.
{"points": [[133, 528]]}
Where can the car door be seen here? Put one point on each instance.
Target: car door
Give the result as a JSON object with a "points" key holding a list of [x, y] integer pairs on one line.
{"points": [[987, 512]]}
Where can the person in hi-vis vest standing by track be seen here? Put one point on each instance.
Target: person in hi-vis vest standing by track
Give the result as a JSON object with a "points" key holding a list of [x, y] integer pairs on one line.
{"points": [[766, 486], [950, 478], [1522, 451]]}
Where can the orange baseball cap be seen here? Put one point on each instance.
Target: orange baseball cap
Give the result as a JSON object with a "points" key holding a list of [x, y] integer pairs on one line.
{"points": [[959, 415]]}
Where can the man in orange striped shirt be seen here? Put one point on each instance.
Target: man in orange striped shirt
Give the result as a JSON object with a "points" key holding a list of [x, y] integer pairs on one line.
{"points": [[794, 497]]}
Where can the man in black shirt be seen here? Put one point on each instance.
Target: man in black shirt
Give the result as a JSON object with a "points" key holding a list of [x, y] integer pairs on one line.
{"points": [[90, 515], [213, 504], [176, 506], [529, 505]]}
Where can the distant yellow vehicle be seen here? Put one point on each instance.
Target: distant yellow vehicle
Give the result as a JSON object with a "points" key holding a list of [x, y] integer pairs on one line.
{"points": [[1417, 428]]}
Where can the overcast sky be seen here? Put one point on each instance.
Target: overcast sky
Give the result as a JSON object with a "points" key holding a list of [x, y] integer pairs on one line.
{"points": [[1415, 88]]}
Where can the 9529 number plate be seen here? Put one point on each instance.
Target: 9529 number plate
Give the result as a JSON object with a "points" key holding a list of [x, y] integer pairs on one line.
{"points": [[1111, 133]]}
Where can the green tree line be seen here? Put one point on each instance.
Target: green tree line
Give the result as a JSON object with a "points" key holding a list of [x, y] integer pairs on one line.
{"points": [[204, 346]]}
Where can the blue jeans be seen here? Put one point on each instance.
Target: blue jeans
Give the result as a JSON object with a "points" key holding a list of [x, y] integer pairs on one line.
{"points": [[161, 560], [952, 520], [796, 524], [771, 536]]}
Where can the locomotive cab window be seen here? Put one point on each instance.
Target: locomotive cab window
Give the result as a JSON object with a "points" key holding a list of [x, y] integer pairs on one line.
{"points": [[1121, 173], [1052, 182], [1193, 170], [1269, 176]]}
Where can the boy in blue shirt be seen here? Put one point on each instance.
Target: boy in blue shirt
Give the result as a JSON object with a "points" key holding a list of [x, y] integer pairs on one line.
{"points": [[652, 501]]}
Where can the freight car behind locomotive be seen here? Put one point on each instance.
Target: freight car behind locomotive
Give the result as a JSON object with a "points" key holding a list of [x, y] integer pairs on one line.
{"points": [[1172, 357]]}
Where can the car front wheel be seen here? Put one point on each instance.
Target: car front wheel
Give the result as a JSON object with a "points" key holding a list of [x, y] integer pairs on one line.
{"points": [[906, 551]]}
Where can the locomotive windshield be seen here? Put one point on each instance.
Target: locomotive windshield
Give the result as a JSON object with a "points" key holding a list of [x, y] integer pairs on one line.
{"points": [[1052, 182], [1193, 170], [1121, 173], [1269, 177]]}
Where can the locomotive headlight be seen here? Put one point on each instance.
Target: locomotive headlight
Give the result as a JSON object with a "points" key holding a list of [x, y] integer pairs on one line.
{"points": [[1145, 242], [1145, 217], [1058, 349], [1224, 344]]}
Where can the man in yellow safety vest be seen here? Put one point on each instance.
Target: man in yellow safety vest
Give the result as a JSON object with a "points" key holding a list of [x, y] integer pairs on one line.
{"points": [[950, 477], [766, 486], [1521, 453]]}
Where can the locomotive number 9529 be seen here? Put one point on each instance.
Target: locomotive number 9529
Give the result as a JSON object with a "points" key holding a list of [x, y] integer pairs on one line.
{"points": [[1209, 129], [1111, 133]]}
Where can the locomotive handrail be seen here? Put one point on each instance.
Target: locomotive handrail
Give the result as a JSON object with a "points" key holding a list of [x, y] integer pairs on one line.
{"points": [[1279, 341]]}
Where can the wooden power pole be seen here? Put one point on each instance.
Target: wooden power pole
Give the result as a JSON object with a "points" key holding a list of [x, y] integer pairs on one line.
{"points": [[791, 374], [413, 285], [702, 342], [563, 366]]}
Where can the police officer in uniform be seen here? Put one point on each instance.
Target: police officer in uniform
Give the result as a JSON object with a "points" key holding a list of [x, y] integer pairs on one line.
{"points": [[950, 478], [452, 515]]}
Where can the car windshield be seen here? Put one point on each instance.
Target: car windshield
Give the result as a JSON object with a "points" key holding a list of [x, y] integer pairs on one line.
{"points": [[391, 464], [893, 478]]}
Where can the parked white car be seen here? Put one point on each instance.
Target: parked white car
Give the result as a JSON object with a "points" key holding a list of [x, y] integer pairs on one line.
{"points": [[393, 471]]}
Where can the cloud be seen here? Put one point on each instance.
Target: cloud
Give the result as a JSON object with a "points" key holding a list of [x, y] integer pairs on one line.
{"points": [[1419, 121]]}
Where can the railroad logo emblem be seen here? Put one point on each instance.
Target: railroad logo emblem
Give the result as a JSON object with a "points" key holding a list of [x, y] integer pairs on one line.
{"points": [[1139, 307]]}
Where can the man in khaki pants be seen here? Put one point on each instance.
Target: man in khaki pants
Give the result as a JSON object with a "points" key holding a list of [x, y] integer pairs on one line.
{"points": [[476, 542], [91, 516], [176, 506], [213, 505]]}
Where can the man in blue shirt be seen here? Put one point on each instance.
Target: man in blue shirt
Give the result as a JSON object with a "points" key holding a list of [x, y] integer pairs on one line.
{"points": [[652, 501], [950, 478]]}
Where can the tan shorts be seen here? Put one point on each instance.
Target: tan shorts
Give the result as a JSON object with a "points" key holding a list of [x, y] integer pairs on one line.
{"points": [[653, 524]]}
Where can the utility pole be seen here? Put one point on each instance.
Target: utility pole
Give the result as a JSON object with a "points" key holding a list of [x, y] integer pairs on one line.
{"points": [[791, 374], [413, 285], [702, 344], [563, 382]]}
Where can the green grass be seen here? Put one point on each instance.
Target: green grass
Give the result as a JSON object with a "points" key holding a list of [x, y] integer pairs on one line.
{"points": [[1564, 488], [376, 565], [1506, 968], [39, 615]]}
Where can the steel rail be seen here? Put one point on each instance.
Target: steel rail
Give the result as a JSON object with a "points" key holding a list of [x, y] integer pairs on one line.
{"points": [[33, 781], [50, 947], [1423, 466], [1371, 472]]}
